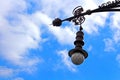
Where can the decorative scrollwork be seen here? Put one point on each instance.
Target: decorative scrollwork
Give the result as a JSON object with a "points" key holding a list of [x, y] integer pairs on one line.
{"points": [[109, 3], [79, 19]]}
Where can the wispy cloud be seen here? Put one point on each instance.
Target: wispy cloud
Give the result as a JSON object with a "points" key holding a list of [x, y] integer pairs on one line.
{"points": [[118, 58], [66, 60], [19, 78], [9, 73], [109, 45], [6, 72], [115, 21], [117, 36], [18, 34], [64, 35], [115, 30]]}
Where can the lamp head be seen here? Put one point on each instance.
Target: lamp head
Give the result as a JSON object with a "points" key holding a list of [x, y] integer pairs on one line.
{"points": [[78, 55], [77, 58]]}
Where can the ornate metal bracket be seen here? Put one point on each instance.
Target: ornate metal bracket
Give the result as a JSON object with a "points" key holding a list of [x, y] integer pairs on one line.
{"points": [[79, 19]]}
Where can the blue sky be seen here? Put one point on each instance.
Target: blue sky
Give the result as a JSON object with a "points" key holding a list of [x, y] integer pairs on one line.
{"points": [[32, 49]]}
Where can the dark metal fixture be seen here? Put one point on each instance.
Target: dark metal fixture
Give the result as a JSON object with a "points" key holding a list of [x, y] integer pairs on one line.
{"points": [[78, 54]]}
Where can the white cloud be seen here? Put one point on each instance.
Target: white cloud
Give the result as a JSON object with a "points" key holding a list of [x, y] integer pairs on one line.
{"points": [[117, 36], [115, 30], [64, 35], [90, 48], [15, 40], [53, 7], [12, 6], [66, 60], [41, 18], [118, 58], [94, 22], [115, 21], [112, 43], [18, 34], [109, 45], [19, 78], [6, 72]]}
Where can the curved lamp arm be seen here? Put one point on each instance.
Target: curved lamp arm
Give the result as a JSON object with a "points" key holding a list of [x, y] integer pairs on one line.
{"points": [[105, 7]]}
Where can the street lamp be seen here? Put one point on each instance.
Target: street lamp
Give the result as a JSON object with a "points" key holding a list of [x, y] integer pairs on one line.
{"points": [[78, 54]]}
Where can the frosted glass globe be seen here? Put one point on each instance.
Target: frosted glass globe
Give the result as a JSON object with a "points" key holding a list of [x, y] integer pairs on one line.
{"points": [[77, 58]]}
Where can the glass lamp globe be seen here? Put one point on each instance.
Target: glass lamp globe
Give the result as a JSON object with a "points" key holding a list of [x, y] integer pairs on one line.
{"points": [[77, 58]]}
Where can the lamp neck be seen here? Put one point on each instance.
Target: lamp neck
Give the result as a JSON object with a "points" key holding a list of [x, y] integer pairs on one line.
{"points": [[79, 38]]}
